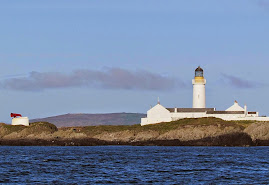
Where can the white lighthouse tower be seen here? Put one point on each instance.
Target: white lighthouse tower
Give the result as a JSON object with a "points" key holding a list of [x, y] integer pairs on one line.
{"points": [[199, 89]]}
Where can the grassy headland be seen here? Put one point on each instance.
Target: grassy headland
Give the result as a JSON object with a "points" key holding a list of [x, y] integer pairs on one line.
{"points": [[191, 132]]}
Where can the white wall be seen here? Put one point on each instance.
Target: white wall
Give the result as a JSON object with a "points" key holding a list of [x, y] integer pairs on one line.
{"points": [[157, 114], [20, 121], [227, 117], [182, 115], [199, 99]]}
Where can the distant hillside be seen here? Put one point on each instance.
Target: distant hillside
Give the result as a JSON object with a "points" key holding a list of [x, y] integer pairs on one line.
{"points": [[71, 120]]}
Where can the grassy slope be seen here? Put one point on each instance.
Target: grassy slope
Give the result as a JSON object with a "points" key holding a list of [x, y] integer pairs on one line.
{"points": [[34, 128], [45, 127], [161, 127]]}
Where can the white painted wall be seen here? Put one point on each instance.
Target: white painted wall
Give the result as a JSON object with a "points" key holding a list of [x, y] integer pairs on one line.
{"points": [[253, 119], [199, 99], [227, 117], [157, 114], [20, 121], [182, 115]]}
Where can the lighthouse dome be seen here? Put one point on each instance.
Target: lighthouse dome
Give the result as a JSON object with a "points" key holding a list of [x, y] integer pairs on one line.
{"points": [[199, 69], [199, 72]]}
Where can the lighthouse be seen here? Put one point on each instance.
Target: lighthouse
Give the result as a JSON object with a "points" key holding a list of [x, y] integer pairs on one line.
{"points": [[161, 114], [199, 89]]}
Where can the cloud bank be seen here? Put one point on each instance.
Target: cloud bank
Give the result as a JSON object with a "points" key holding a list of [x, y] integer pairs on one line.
{"points": [[112, 78], [239, 82]]}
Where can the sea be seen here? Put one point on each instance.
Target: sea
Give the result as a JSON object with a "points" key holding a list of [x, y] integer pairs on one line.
{"points": [[133, 165]]}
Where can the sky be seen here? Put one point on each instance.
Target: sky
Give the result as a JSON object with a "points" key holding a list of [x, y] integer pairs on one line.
{"points": [[103, 56]]}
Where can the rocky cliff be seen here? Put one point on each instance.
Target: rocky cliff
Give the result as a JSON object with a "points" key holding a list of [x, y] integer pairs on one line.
{"points": [[185, 132]]}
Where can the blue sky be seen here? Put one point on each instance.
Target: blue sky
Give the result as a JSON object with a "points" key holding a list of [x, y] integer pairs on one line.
{"points": [[118, 56]]}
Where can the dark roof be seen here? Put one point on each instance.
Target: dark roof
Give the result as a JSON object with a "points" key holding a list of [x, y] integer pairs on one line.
{"points": [[190, 109], [252, 112], [225, 112], [199, 69]]}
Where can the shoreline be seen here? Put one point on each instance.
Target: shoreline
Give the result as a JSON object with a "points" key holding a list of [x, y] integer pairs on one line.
{"points": [[228, 140]]}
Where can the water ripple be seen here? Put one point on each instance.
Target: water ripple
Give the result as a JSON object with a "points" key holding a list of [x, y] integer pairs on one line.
{"points": [[128, 165]]}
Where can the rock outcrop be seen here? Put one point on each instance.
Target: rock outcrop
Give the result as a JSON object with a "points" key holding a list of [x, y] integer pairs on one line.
{"points": [[258, 131]]}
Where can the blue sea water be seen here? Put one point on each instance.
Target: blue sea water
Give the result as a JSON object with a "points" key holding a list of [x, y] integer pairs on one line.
{"points": [[134, 164]]}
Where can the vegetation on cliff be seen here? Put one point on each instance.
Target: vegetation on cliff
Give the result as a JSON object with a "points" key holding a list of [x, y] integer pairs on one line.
{"points": [[8, 129], [163, 127], [194, 132], [18, 131], [188, 126]]}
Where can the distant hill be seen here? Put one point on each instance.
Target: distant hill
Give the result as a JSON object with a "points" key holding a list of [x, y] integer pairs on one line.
{"points": [[71, 120]]}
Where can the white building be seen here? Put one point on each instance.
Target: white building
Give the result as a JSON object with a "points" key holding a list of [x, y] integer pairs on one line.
{"points": [[159, 113], [20, 121]]}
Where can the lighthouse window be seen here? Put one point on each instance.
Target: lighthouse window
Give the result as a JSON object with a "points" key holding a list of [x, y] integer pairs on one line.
{"points": [[199, 74]]}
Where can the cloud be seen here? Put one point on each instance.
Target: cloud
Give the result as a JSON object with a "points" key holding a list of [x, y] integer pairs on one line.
{"points": [[111, 78], [264, 4], [239, 82]]}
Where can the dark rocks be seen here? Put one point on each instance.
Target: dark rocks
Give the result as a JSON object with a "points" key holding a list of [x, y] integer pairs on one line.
{"points": [[234, 139]]}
